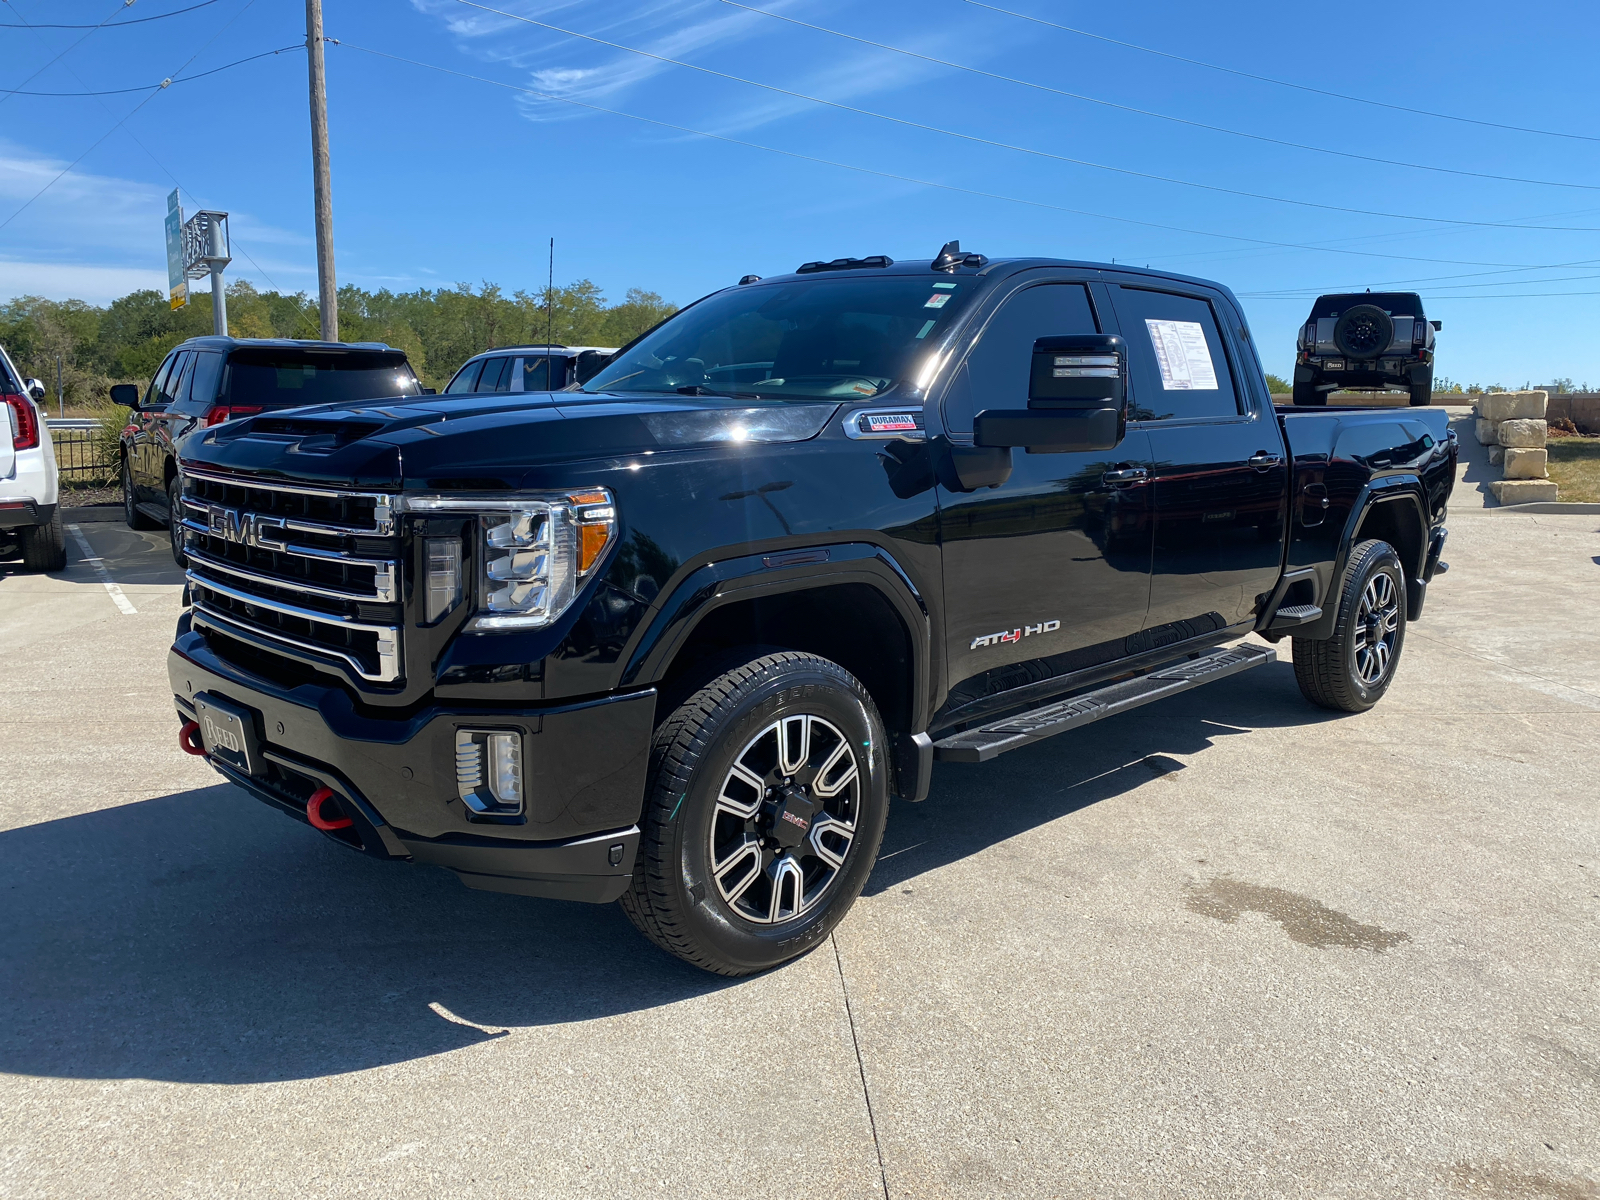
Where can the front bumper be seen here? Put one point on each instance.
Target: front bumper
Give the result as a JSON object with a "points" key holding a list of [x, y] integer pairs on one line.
{"points": [[584, 764]]}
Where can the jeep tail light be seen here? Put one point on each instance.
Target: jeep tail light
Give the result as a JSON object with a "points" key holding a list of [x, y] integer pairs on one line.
{"points": [[24, 422], [226, 412], [489, 770], [1419, 333], [1311, 335]]}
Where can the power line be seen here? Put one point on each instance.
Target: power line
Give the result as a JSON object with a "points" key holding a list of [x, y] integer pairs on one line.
{"points": [[1145, 112], [122, 5], [913, 180], [967, 137], [1506, 296], [165, 83], [108, 23], [1420, 112], [125, 119]]}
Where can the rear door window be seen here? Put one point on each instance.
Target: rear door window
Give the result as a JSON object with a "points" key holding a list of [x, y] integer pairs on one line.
{"points": [[536, 375], [1179, 366], [496, 375]]}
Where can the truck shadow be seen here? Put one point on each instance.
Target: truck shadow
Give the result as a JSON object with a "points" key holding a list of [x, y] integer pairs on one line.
{"points": [[973, 806], [203, 938]]}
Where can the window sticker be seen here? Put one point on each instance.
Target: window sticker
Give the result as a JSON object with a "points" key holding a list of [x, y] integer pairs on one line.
{"points": [[939, 300], [923, 332], [1183, 355]]}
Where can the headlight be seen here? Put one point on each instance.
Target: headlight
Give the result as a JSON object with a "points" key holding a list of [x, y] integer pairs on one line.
{"points": [[533, 551]]}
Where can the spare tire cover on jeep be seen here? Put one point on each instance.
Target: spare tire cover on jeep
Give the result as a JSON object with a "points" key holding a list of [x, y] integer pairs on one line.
{"points": [[1364, 331]]}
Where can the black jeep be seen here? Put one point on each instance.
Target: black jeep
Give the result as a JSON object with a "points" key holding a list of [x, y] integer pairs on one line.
{"points": [[1365, 341]]}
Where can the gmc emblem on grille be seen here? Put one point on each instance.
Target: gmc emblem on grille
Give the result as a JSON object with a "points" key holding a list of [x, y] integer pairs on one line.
{"points": [[229, 524]]}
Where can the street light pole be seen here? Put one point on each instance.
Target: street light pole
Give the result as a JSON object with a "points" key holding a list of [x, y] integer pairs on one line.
{"points": [[327, 286]]}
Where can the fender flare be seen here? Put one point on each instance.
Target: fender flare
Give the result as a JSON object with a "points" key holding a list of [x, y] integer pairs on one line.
{"points": [[702, 590], [1401, 488]]}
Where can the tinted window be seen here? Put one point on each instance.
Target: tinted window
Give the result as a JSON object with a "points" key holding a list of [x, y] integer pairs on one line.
{"points": [[536, 375], [199, 385], [496, 375], [466, 379], [844, 338], [1407, 304], [167, 384], [1175, 350], [996, 372], [289, 378], [153, 397]]}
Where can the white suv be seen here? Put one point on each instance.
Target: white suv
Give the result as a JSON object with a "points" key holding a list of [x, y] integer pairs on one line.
{"points": [[29, 512]]}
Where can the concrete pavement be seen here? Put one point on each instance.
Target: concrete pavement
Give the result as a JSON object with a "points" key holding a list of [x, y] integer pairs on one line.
{"points": [[1225, 945]]}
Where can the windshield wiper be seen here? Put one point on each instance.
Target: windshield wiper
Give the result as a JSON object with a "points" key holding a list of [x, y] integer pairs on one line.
{"points": [[696, 389]]}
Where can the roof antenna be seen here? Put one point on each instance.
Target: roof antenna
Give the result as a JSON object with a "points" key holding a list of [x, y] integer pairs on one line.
{"points": [[550, 310], [949, 257]]}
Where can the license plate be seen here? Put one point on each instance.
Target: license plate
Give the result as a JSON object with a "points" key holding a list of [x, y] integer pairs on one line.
{"points": [[227, 731]]}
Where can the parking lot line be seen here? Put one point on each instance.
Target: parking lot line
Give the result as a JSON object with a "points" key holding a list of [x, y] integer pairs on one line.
{"points": [[93, 559]]}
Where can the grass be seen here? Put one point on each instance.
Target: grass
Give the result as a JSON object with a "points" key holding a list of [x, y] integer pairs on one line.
{"points": [[1575, 467]]}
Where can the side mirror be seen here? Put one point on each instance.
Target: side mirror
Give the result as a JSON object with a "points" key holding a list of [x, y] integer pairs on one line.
{"points": [[589, 364], [125, 394], [1437, 325], [34, 388], [1077, 392]]}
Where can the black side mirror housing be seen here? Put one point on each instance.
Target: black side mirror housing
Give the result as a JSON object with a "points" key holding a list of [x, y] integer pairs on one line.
{"points": [[125, 394], [1077, 399], [1437, 325]]}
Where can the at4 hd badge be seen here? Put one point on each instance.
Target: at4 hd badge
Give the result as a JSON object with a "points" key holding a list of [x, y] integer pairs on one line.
{"points": [[1014, 635]]}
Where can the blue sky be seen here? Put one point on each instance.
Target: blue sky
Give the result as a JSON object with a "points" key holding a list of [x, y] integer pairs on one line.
{"points": [[439, 178]]}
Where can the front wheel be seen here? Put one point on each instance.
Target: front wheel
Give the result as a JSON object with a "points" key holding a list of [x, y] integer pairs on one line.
{"points": [[1350, 671], [767, 806], [130, 510], [175, 520]]}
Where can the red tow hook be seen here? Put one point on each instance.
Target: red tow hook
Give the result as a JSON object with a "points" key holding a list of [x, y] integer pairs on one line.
{"points": [[314, 812], [189, 739]]}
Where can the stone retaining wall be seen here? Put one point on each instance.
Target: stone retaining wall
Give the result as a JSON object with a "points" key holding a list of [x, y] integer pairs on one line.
{"points": [[1514, 427]]}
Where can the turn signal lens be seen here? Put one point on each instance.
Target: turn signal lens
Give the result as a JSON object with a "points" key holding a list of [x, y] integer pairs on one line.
{"points": [[444, 575]]}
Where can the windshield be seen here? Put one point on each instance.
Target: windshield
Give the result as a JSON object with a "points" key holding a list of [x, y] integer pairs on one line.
{"points": [[814, 339], [289, 378]]}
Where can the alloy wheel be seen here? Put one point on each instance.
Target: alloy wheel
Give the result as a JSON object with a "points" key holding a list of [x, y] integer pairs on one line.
{"points": [[1377, 625], [785, 819]]}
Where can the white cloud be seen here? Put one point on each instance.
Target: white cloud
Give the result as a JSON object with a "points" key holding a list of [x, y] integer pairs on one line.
{"points": [[95, 237]]}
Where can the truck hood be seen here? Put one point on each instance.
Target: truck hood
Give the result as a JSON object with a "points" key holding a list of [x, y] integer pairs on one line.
{"points": [[490, 441]]}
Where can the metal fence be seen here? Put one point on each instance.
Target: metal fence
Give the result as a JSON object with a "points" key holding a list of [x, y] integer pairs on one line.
{"points": [[80, 452]]}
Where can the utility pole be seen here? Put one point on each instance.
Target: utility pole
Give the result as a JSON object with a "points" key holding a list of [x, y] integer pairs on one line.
{"points": [[327, 286]]}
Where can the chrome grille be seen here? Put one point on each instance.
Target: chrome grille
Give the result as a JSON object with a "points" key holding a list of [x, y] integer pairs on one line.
{"points": [[315, 569]]}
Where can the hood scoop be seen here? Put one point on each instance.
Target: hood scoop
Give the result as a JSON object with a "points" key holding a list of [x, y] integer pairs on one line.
{"points": [[310, 436]]}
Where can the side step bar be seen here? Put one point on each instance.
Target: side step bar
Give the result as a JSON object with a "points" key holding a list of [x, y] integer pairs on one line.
{"points": [[987, 741]]}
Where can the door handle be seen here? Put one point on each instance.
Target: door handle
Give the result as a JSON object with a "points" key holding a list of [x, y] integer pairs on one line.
{"points": [[1263, 460], [1125, 475]]}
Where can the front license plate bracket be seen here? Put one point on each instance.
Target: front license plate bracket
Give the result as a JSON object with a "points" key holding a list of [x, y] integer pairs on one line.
{"points": [[228, 732]]}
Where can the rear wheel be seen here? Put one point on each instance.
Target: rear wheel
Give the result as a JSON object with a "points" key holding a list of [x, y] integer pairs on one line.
{"points": [[1350, 671], [1421, 389], [130, 511], [767, 807], [1305, 393], [43, 547]]}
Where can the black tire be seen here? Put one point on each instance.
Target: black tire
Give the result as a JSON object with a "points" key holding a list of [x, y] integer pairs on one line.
{"points": [[1421, 389], [130, 514], [1306, 393], [676, 899], [1363, 331], [43, 547], [1344, 672], [175, 521]]}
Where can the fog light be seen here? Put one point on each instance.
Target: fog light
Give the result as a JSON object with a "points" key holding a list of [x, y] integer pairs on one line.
{"points": [[489, 771]]}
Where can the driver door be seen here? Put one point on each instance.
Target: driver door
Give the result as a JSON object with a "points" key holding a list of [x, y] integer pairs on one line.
{"points": [[1049, 572]]}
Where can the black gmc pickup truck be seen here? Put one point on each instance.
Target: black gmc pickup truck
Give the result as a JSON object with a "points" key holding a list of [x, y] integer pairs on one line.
{"points": [[674, 636]]}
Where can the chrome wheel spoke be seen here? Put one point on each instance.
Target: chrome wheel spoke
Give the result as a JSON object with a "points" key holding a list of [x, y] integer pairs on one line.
{"points": [[831, 840], [826, 784], [738, 869], [788, 889], [794, 744]]}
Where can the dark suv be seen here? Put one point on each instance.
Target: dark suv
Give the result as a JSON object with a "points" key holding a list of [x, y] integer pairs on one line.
{"points": [[209, 380], [1365, 341]]}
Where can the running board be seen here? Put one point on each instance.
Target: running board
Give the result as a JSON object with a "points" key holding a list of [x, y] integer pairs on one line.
{"points": [[987, 741]]}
